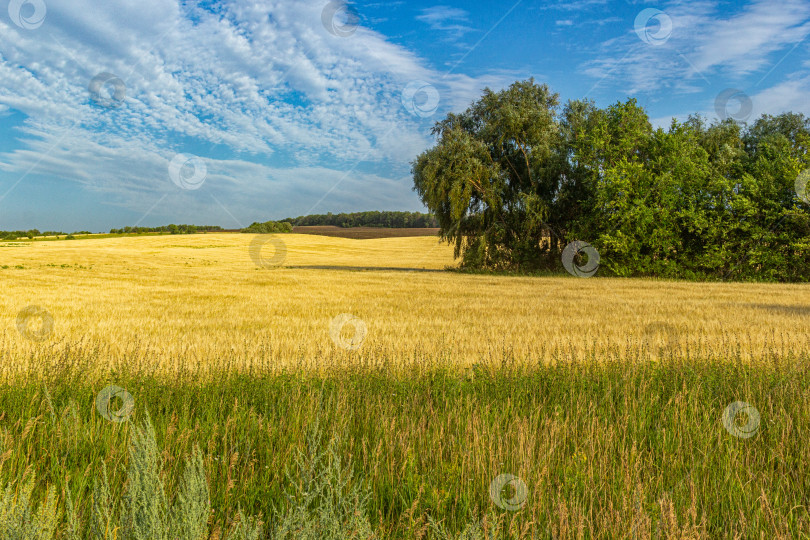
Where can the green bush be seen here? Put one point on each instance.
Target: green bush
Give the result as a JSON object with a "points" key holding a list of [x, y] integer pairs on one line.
{"points": [[269, 227]]}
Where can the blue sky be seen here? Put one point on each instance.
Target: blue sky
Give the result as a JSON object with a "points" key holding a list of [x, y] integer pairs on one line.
{"points": [[119, 113]]}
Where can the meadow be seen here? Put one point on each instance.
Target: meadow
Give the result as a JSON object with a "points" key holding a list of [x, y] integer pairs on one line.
{"points": [[611, 402]]}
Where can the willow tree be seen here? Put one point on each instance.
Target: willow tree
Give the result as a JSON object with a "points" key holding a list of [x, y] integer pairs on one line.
{"points": [[493, 175]]}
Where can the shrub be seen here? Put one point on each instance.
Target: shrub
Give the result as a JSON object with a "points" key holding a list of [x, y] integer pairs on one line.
{"points": [[327, 502], [269, 227]]}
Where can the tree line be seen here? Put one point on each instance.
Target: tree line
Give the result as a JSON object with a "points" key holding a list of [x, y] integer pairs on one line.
{"points": [[172, 229], [389, 219], [32, 233], [516, 177]]}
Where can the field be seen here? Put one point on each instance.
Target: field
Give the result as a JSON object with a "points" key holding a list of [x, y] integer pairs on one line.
{"points": [[605, 397]]}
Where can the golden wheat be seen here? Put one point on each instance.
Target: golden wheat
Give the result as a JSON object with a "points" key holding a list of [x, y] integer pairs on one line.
{"points": [[163, 302]]}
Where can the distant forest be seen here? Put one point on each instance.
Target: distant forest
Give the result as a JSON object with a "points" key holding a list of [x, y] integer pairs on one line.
{"points": [[388, 219], [31, 233], [173, 229], [397, 220]]}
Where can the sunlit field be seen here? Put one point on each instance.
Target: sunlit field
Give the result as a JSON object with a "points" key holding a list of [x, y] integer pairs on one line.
{"points": [[202, 302], [358, 386]]}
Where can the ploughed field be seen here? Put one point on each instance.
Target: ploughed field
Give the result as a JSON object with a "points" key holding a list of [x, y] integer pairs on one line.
{"points": [[612, 403]]}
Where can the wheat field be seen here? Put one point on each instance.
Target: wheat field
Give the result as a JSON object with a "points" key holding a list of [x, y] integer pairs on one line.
{"points": [[606, 399], [163, 302]]}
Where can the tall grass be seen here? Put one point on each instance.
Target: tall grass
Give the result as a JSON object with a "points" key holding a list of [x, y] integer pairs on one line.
{"points": [[606, 449]]}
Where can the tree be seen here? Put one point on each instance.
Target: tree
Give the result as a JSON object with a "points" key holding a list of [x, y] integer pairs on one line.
{"points": [[493, 176], [514, 179]]}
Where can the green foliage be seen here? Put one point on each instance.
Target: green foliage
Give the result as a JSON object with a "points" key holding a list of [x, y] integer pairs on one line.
{"points": [[14, 235], [514, 179], [101, 518], [245, 528], [429, 443], [488, 180], [387, 219], [173, 229], [19, 521], [327, 501], [189, 513], [477, 529], [143, 508], [144, 512], [269, 227]]}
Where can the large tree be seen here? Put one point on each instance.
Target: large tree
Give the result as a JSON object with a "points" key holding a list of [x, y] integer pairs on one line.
{"points": [[492, 178], [514, 178]]}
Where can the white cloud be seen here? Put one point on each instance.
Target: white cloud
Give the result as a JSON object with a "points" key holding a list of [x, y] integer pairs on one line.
{"points": [[789, 95], [576, 5], [705, 43], [452, 20], [263, 78], [136, 177]]}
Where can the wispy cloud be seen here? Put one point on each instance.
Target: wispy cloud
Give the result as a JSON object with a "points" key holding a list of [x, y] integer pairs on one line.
{"points": [[707, 46], [262, 80], [453, 21], [576, 5]]}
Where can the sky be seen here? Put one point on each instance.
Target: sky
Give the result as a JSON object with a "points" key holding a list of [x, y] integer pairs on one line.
{"points": [[116, 113]]}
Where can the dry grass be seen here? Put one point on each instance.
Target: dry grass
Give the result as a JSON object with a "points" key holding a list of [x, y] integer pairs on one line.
{"points": [[202, 300]]}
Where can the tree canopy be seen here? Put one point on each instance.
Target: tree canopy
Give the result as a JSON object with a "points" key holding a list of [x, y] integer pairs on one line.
{"points": [[268, 227], [173, 229], [517, 177], [390, 219]]}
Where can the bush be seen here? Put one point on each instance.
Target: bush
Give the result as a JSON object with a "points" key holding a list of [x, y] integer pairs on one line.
{"points": [[269, 227]]}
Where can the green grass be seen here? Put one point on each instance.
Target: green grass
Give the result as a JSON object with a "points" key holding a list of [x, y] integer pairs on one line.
{"points": [[614, 450]]}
